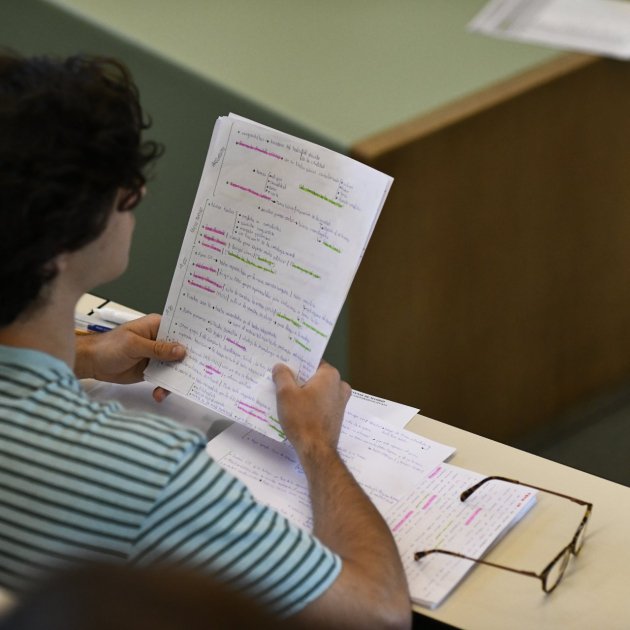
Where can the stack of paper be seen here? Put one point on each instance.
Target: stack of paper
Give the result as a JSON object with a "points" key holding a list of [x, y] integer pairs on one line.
{"points": [[432, 516], [591, 26], [276, 234], [406, 478], [386, 460]]}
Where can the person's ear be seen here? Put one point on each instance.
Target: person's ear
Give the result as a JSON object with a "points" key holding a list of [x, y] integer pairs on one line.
{"points": [[60, 262]]}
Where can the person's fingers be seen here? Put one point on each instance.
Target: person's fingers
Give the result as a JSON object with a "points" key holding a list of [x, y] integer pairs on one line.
{"points": [[169, 351], [161, 350], [160, 394], [326, 373], [283, 376], [347, 390], [145, 326]]}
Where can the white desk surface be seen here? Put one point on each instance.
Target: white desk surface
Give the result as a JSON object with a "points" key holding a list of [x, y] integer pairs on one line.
{"points": [[594, 592]]}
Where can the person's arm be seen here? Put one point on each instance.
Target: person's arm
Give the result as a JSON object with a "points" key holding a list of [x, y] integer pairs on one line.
{"points": [[371, 591], [121, 355]]}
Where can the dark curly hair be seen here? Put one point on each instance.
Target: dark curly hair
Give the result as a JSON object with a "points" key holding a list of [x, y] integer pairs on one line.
{"points": [[70, 137]]}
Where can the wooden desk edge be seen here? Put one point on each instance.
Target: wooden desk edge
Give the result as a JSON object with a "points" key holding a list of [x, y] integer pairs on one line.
{"points": [[391, 139]]}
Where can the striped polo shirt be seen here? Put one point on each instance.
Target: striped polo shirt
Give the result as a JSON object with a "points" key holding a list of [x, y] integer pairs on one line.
{"points": [[87, 481]]}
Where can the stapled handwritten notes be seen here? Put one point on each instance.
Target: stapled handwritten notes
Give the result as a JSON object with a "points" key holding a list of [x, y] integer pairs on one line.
{"points": [[432, 516], [276, 234], [385, 459]]}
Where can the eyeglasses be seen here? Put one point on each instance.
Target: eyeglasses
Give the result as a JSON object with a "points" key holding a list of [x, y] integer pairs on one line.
{"points": [[552, 574]]}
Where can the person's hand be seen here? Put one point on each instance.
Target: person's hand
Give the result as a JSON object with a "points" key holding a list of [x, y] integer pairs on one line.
{"points": [[344, 518], [121, 355], [311, 414]]}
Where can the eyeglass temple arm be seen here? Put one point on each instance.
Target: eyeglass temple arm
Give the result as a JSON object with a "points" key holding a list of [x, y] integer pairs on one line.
{"points": [[464, 495], [421, 554]]}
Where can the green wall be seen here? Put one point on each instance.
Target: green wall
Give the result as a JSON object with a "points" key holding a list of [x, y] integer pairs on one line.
{"points": [[344, 68]]}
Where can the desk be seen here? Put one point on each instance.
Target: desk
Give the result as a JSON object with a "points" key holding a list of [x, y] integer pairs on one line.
{"points": [[594, 591]]}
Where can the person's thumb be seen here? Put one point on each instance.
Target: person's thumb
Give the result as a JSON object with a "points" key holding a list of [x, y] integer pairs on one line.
{"points": [[282, 376], [163, 350]]}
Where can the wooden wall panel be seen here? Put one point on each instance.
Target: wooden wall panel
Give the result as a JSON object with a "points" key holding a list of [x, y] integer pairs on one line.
{"points": [[495, 291]]}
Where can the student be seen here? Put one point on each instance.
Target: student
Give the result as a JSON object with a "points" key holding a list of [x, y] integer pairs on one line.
{"points": [[84, 481]]}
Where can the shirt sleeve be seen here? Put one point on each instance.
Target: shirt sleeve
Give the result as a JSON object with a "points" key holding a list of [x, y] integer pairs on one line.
{"points": [[207, 520]]}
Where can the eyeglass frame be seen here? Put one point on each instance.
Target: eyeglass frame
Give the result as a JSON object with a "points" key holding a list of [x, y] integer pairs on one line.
{"points": [[542, 576]]}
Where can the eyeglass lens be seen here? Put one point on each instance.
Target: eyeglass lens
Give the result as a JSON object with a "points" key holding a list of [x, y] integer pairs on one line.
{"points": [[556, 571]]}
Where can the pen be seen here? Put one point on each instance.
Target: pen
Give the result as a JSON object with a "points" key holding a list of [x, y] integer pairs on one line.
{"points": [[115, 316], [98, 328], [90, 329], [86, 329]]}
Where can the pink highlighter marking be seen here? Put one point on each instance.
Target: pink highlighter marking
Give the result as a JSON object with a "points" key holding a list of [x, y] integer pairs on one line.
{"points": [[472, 516], [216, 249], [235, 343], [249, 190], [205, 267], [523, 499], [211, 371], [269, 153], [200, 286], [429, 501], [209, 229], [435, 472], [216, 284], [244, 404], [402, 521], [214, 240], [251, 413]]}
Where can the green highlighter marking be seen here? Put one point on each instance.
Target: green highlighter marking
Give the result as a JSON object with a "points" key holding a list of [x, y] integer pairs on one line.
{"points": [[319, 332], [281, 316], [280, 432], [320, 196], [310, 273], [335, 249], [249, 262], [299, 343]]}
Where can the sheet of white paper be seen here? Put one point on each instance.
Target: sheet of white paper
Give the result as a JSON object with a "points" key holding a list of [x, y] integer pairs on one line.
{"points": [[138, 397], [385, 460], [277, 231], [393, 413], [591, 26], [432, 516]]}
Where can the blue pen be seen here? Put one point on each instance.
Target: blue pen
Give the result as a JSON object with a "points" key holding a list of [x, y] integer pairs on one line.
{"points": [[98, 328]]}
